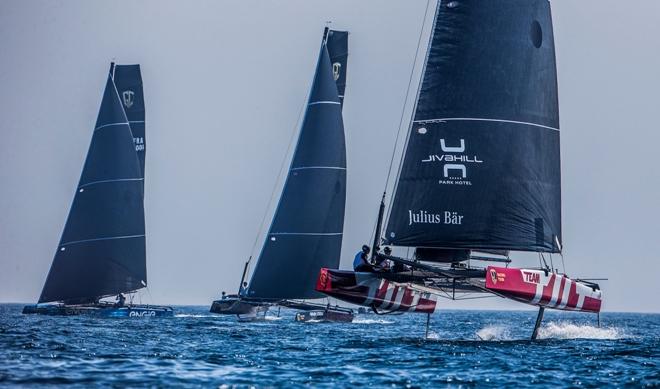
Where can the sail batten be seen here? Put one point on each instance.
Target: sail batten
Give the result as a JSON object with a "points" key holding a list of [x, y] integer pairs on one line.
{"points": [[481, 167], [306, 232]]}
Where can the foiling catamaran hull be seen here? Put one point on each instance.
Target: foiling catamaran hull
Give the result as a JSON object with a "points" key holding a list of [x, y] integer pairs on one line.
{"points": [[325, 316], [100, 310], [374, 291], [544, 289], [382, 292], [247, 310], [234, 306]]}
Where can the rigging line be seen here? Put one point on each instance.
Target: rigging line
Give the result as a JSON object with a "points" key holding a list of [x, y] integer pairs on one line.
{"points": [[403, 110], [552, 264]]}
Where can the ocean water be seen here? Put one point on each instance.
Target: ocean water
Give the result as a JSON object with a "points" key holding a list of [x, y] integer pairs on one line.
{"points": [[199, 349]]}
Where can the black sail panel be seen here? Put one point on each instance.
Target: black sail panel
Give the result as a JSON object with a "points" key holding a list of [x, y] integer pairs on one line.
{"points": [[128, 80], [337, 42], [306, 232], [102, 249], [481, 167]]}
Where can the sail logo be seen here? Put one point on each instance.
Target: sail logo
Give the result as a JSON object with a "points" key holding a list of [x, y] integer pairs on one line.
{"points": [[127, 96], [424, 217], [336, 68], [454, 160]]}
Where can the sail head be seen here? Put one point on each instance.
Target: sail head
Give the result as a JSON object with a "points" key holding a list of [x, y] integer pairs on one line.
{"points": [[481, 167], [337, 43], [128, 80]]}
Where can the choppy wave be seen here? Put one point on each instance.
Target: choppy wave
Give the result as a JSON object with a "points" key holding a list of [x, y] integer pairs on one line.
{"points": [[565, 330], [200, 349], [494, 332]]}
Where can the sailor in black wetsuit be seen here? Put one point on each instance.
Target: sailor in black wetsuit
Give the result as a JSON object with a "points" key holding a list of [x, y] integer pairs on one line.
{"points": [[120, 300], [361, 261]]}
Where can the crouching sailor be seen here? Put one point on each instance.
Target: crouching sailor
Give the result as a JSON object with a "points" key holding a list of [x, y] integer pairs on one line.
{"points": [[361, 261]]}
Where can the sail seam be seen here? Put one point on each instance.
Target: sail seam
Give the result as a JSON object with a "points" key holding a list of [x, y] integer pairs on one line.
{"points": [[98, 239], [318, 167], [307, 233], [324, 102], [114, 180], [485, 120], [111, 124]]}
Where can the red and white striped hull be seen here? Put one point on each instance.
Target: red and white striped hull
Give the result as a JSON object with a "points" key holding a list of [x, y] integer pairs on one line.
{"points": [[548, 290], [368, 290]]}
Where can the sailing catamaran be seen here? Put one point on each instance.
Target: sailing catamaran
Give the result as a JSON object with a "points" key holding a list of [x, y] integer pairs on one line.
{"points": [[480, 171], [102, 250], [306, 231]]}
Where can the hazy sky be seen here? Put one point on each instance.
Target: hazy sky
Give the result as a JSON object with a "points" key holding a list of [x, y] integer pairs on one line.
{"points": [[224, 85]]}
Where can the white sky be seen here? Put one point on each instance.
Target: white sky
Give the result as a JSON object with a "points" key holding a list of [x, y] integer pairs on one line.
{"points": [[224, 85]]}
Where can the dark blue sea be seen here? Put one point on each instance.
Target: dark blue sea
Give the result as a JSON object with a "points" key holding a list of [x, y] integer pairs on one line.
{"points": [[199, 349]]}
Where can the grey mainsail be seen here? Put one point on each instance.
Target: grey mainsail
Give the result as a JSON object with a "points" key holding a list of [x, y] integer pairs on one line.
{"points": [[481, 168], [102, 248], [306, 231]]}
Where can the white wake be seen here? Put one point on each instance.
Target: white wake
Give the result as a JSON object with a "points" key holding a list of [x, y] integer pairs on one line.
{"points": [[273, 318], [563, 330], [358, 320], [494, 333]]}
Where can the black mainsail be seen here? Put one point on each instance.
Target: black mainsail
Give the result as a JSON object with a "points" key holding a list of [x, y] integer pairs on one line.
{"points": [[481, 167], [306, 231], [102, 248]]}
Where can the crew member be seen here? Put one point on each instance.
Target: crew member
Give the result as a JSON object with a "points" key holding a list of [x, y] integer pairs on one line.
{"points": [[120, 300], [243, 289], [224, 295], [382, 263], [361, 261]]}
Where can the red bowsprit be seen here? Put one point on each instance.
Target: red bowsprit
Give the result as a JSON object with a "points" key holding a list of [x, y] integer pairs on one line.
{"points": [[544, 289], [368, 290]]}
